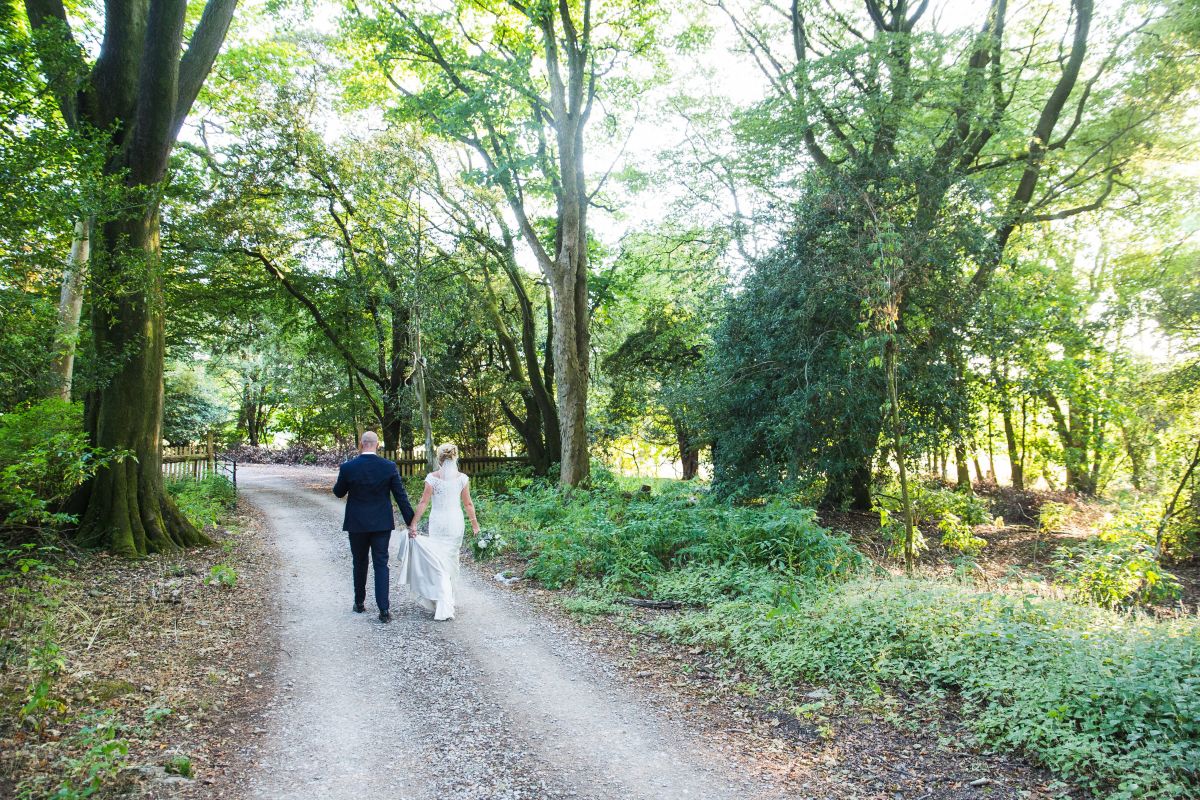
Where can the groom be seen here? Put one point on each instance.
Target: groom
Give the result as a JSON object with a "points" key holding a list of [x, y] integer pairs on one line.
{"points": [[369, 480]]}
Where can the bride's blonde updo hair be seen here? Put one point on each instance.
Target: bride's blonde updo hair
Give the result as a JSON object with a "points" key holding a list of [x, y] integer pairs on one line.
{"points": [[446, 451]]}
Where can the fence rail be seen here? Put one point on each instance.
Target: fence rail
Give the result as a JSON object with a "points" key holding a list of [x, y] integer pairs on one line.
{"points": [[484, 464], [196, 462]]}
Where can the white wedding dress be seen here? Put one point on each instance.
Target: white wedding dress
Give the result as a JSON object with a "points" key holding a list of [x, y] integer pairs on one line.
{"points": [[429, 564]]}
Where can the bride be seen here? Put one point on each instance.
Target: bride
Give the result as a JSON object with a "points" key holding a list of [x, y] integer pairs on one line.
{"points": [[429, 564]]}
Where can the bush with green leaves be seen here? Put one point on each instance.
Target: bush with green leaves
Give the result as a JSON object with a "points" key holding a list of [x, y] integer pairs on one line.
{"points": [[1054, 516], [1107, 699], [1118, 565], [954, 512], [628, 539], [206, 501], [44, 457]]}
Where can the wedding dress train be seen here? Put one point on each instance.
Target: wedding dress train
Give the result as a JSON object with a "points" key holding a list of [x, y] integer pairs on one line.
{"points": [[429, 564]]}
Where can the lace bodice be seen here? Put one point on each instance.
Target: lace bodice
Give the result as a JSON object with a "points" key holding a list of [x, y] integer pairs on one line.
{"points": [[446, 514]]}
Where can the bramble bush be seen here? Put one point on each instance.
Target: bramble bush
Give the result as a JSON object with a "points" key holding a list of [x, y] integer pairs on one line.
{"points": [[1108, 699]]}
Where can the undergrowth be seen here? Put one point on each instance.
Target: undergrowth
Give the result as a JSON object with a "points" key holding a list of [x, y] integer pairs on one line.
{"points": [[1108, 699], [627, 539], [204, 502]]}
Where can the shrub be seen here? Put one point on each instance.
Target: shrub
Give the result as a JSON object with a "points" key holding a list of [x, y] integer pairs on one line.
{"points": [[44, 457], [953, 512], [1118, 565], [1053, 516], [206, 501], [958, 535], [627, 540], [222, 575], [1107, 699]]}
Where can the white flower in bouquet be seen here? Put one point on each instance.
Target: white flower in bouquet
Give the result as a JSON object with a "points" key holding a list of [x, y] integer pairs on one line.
{"points": [[487, 540]]}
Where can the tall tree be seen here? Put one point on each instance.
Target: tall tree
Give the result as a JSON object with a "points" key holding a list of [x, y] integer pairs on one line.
{"points": [[1039, 118], [517, 83], [140, 89]]}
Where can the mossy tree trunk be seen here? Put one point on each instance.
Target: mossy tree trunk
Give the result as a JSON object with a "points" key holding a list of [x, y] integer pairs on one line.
{"points": [[140, 88], [128, 510]]}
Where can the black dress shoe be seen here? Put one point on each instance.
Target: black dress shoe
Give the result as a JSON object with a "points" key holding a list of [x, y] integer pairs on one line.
{"points": [[385, 616], [359, 608]]}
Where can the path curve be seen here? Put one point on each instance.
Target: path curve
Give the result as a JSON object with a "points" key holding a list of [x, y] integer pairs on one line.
{"points": [[499, 704]]}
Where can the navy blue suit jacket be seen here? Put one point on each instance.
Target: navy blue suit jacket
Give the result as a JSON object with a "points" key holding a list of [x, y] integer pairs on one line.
{"points": [[371, 481]]}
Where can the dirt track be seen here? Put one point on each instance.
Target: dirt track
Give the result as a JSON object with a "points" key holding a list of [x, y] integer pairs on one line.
{"points": [[499, 703]]}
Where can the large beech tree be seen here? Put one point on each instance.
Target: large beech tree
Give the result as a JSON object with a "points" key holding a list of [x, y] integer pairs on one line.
{"points": [[140, 89]]}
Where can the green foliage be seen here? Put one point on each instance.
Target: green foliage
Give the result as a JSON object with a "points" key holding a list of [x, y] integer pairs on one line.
{"points": [[103, 756], [190, 411], [796, 392], [1054, 516], [206, 501], [952, 512], [628, 540], [1106, 699], [958, 535], [222, 575], [1118, 565], [44, 457], [586, 606], [179, 765]]}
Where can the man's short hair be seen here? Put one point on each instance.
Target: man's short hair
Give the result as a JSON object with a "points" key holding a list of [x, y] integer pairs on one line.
{"points": [[369, 439]]}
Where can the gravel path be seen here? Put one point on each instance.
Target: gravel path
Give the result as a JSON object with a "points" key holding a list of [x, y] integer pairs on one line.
{"points": [[497, 704]]}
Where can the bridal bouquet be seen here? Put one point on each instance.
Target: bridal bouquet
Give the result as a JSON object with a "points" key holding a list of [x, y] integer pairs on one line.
{"points": [[486, 544]]}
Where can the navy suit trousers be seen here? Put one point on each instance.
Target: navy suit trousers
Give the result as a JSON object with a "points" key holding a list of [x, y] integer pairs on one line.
{"points": [[372, 545]]}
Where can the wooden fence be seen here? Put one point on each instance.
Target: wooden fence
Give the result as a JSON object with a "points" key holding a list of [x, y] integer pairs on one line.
{"points": [[487, 463], [196, 462]]}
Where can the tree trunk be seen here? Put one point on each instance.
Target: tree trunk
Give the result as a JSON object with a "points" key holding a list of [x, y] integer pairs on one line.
{"points": [[962, 473], [419, 388], [141, 89], [70, 307], [910, 556], [571, 370], [689, 453], [524, 371], [128, 510], [1016, 458]]}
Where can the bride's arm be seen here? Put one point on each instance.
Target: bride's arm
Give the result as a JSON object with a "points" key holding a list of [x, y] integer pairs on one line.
{"points": [[470, 507], [420, 512]]}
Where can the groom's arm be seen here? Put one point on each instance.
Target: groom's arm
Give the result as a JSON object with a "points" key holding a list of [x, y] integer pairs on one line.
{"points": [[339, 487], [397, 487]]}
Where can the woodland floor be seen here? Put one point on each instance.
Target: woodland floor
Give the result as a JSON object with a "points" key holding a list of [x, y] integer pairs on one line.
{"points": [[180, 661], [278, 690]]}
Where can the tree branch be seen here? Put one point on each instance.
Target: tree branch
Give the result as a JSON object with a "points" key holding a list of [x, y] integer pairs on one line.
{"points": [[202, 51]]}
